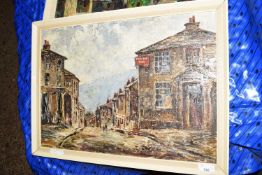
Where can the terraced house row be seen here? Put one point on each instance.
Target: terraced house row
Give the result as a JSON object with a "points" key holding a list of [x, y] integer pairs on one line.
{"points": [[121, 111]]}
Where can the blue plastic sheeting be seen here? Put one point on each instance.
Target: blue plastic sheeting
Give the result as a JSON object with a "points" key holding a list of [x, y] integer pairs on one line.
{"points": [[245, 44]]}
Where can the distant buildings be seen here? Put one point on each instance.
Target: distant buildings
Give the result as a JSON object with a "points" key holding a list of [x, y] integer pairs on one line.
{"points": [[120, 112], [60, 91]]}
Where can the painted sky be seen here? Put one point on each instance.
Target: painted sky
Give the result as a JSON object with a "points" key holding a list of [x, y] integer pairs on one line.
{"points": [[101, 52]]}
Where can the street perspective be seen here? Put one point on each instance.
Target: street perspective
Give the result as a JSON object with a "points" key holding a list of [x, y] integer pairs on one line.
{"points": [[144, 87]]}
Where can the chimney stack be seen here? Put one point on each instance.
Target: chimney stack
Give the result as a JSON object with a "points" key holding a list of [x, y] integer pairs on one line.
{"points": [[192, 24], [46, 45], [193, 19]]}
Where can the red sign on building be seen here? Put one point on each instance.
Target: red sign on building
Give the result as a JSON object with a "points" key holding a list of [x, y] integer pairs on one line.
{"points": [[142, 61]]}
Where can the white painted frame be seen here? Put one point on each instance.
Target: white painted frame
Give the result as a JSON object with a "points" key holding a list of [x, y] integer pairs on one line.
{"points": [[50, 9], [221, 167]]}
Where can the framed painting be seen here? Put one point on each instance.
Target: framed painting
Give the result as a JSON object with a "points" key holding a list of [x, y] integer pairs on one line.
{"points": [[64, 8], [143, 88]]}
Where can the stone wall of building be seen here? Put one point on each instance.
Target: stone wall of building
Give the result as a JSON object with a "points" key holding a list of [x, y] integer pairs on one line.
{"points": [[175, 87], [60, 91], [82, 121], [72, 92], [52, 68], [52, 85]]}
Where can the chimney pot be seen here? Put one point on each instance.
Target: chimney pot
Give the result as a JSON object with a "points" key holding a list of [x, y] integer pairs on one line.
{"points": [[193, 19], [46, 45], [192, 24], [128, 82]]}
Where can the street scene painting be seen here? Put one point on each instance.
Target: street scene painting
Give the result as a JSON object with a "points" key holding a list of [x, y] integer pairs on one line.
{"points": [[73, 7], [142, 87]]}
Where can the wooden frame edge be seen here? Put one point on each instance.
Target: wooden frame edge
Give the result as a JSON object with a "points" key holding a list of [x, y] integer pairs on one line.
{"points": [[50, 9], [34, 89], [221, 168]]}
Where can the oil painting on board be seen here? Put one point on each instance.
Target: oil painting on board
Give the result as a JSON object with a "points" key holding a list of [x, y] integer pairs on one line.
{"points": [[73, 7], [142, 87]]}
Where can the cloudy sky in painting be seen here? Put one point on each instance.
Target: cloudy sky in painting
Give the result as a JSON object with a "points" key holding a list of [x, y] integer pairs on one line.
{"points": [[106, 51]]}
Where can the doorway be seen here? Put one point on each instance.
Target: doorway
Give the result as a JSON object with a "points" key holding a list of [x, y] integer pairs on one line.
{"points": [[193, 105]]}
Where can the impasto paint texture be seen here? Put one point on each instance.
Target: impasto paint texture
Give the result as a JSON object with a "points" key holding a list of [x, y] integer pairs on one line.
{"points": [[143, 87]]}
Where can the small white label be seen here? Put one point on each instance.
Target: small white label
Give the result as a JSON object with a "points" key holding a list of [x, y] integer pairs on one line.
{"points": [[56, 151], [207, 168]]}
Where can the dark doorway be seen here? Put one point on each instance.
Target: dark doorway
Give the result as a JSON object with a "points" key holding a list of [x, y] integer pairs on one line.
{"points": [[193, 105], [68, 109], [45, 116]]}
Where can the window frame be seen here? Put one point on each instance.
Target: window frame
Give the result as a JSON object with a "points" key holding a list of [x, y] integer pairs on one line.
{"points": [[194, 58], [169, 83], [47, 79], [164, 58]]}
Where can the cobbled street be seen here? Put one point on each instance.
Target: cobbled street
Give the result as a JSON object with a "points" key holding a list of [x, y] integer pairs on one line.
{"points": [[175, 144]]}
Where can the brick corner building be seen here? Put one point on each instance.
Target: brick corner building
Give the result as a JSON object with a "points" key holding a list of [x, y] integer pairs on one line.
{"points": [[177, 80]]}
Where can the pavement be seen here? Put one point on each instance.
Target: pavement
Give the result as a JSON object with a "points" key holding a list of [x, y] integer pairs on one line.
{"points": [[184, 145]]}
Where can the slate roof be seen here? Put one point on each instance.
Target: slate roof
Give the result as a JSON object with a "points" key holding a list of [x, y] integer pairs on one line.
{"points": [[186, 37], [47, 50], [107, 105], [195, 72], [68, 73], [131, 83]]}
